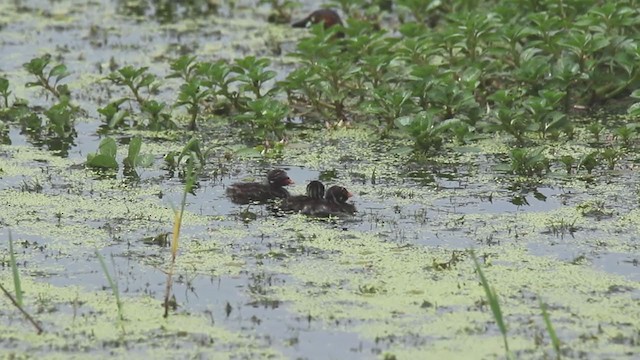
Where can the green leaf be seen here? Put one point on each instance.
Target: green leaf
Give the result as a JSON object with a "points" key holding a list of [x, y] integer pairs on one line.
{"points": [[101, 161], [250, 152], [117, 118], [59, 71], [16, 274], [36, 66], [4, 85], [634, 109], [404, 121], [145, 160], [108, 147], [134, 150]]}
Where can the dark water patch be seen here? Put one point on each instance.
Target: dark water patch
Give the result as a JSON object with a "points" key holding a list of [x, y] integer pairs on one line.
{"points": [[539, 200], [627, 265], [609, 261]]}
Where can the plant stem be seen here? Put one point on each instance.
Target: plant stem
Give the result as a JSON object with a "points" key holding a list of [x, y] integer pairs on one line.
{"points": [[24, 312]]}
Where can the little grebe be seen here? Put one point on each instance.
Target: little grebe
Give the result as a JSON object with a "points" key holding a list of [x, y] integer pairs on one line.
{"points": [[326, 16], [244, 193], [315, 193], [334, 203]]}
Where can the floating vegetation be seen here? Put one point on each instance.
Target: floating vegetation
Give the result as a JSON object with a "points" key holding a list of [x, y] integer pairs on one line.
{"points": [[495, 127]]}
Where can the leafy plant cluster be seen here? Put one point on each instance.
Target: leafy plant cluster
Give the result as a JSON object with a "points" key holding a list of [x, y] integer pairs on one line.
{"points": [[54, 126], [452, 72], [236, 90], [509, 68], [513, 68]]}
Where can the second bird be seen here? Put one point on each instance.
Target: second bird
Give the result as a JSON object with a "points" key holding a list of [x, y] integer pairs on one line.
{"points": [[272, 188]]}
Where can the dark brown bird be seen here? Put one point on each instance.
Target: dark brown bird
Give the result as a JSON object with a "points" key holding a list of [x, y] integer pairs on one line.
{"points": [[315, 194], [334, 204], [272, 188], [326, 16]]}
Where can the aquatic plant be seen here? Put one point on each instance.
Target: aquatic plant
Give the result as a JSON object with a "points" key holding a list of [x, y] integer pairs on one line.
{"points": [[494, 303], [48, 80], [550, 330], [389, 104], [561, 227], [427, 131], [113, 284], [191, 95], [158, 119], [17, 301], [184, 67], [191, 91], [265, 119], [568, 161], [216, 77], [611, 157], [135, 79], [105, 158], [190, 179], [595, 128], [543, 112], [491, 72], [625, 133], [4, 90], [192, 155], [61, 119], [114, 116], [251, 74], [589, 161], [134, 158], [15, 273], [528, 162]]}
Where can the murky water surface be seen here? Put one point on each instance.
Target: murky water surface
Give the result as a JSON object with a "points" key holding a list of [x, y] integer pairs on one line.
{"points": [[393, 280]]}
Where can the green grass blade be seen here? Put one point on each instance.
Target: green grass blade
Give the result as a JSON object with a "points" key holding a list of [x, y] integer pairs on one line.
{"points": [[14, 270], [552, 332], [114, 288], [177, 224], [492, 297]]}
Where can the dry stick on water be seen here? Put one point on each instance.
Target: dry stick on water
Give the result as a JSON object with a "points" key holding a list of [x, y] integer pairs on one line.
{"points": [[492, 297], [26, 314], [177, 223], [17, 301]]}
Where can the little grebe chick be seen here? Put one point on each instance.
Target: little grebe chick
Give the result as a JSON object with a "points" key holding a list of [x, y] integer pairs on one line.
{"points": [[334, 203], [315, 193], [273, 188]]}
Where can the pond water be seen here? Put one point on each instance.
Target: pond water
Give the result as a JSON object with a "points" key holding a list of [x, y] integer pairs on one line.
{"points": [[393, 281]]}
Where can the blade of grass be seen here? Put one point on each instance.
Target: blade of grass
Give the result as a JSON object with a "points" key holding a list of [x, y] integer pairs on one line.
{"points": [[492, 297], [14, 270], [552, 332], [177, 224], [17, 300], [114, 288]]}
